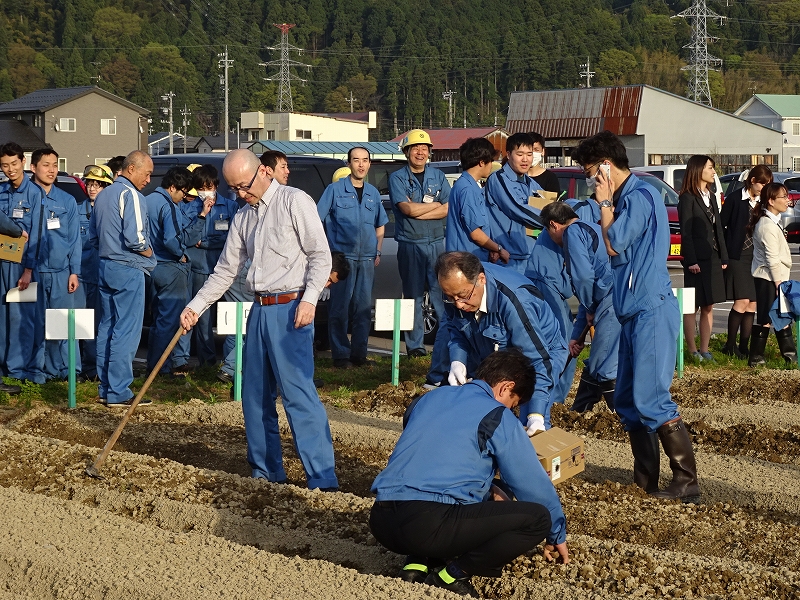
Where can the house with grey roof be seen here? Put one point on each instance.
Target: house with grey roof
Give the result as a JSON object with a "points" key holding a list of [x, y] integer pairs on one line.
{"points": [[85, 125], [782, 112]]}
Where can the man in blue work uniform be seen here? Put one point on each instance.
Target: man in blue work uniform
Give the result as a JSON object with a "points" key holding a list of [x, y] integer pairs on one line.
{"points": [[635, 230], [491, 308], [120, 225], [280, 232], [170, 278], [434, 498], [21, 201], [59, 264], [589, 273], [419, 195], [354, 221], [507, 193]]}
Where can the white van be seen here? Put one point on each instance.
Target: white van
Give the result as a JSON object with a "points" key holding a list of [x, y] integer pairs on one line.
{"points": [[673, 175]]}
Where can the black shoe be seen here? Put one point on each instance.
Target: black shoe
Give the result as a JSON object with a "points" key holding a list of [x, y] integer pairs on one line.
{"points": [[342, 363], [11, 390], [318, 383], [462, 587], [224, 377], [181, 371], [362, 362], [127, 403], [329, 489], [417, 352], [414, 573], [732, 350]]}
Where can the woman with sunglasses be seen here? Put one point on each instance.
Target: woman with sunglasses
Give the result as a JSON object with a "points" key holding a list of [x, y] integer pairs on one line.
{"points": [[772, 262]]}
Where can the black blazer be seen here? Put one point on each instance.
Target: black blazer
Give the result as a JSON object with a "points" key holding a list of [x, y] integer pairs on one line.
{"points": [[735, 215], [697, 231]]}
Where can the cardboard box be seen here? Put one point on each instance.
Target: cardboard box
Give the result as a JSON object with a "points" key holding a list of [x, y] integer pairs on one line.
{"points": [[539, 202], [560, 452], [11, 248]]}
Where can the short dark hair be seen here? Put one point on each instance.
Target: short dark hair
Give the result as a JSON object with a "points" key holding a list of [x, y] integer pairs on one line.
{"points": [[179, 177], [602, 146], [537, 138], [517, 140], [115, 164], [12, 149], [475, 151], [205, 175], [557, 212], [350, 152], [466, 262], [40, 152], [509, 365], [761, 173], [270, 158], [339, 265]]}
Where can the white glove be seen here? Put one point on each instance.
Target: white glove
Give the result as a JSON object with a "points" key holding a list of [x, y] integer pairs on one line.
{"points": [[535, 424], [325, 294], [458, 373]]}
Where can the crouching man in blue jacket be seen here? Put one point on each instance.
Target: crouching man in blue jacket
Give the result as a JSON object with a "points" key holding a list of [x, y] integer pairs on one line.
{"points": [[433, 498]]}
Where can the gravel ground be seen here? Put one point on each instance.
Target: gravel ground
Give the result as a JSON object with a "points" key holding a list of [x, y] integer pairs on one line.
{"points": [[177, 516]]}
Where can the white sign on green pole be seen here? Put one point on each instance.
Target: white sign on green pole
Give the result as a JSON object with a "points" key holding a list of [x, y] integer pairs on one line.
{"points": [[232, 320], [394, 315], [71, 324]]}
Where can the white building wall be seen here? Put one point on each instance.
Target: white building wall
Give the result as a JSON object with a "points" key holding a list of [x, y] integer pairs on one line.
{"points": [[294, 127]]}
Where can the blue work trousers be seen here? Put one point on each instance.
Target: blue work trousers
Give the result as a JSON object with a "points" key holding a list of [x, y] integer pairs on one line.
{"points": [[21, 330], [183, 349], [121, 312], [86, 297], [236, 293], [351, 305], [563, 314], [604, 352], [168, 292], [415, 263], [204, 346], [279, 356], [55, 295], [647, 350]]}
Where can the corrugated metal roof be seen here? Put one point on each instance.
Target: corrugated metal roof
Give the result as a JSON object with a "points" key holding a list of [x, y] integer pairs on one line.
{"points": [[786, 105], [575, 113], [331, 148], [452, 139], [42, 100]]}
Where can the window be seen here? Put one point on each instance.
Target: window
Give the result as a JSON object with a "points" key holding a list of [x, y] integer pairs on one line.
{"points": [[37, 120], [795, 128], [796, 163], [108, 127], [302, 134], [62, 162], [254, 135], [67, 125], [270, 134], [101, 161], [655, 159]]}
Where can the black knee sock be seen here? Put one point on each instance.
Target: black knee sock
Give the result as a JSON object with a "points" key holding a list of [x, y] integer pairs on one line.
{"points": [[747, 330], [734, 322]]}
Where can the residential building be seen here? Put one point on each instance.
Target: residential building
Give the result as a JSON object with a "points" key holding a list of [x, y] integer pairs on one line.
{"points": [[778, 111]]}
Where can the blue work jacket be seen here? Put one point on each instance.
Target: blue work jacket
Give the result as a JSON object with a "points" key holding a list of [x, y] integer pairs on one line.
{"points": [[791, 292], [404, 187], [170, 228], [509, 212], [350, 224], [89, 260], [120, 225], [454, 441], [24, 206], [204, 253], [587, 210], [587, 264], [517, 317], [61, 246], [640, 236], [467, 212]]}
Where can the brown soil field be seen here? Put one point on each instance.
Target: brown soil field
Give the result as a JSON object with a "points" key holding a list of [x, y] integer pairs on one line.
{"points": [[178, 517]]}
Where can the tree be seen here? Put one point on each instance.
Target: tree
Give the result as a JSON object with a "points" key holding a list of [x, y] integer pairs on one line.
{"points": [[113, 27], [122, 74], [25, 76], [615, 66]]}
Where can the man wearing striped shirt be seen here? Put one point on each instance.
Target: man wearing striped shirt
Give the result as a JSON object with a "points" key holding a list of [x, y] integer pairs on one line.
{"points": [[280, 232]]}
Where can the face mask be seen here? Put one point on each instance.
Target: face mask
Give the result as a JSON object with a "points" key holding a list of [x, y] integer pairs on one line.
{"points": [[203, 194], [591, 183], [537, 159]]}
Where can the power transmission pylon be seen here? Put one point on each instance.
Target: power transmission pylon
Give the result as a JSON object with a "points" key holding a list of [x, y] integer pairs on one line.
{"points": [[700, 61], [285, 76], [587, 72]]}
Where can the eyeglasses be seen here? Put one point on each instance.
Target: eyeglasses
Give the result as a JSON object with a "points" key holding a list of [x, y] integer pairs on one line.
{"points": [[588, 169], [244, 188], [94, 183], [453, 300]]}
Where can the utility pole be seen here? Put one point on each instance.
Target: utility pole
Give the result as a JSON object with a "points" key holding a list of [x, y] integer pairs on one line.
{"points": [[186, 114], [700, 61], [587, 72], [224, 63], [351, 100], [448, 95], [285, 76], [168, 111]]}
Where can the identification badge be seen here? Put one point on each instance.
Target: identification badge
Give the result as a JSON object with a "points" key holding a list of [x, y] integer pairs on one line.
{"points": [[18, 213], [54, 223], [221, 225], [427, 198]]}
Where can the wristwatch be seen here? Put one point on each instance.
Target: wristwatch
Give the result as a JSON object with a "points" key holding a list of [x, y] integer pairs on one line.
{"points": [[605, 204], [499, 248]]}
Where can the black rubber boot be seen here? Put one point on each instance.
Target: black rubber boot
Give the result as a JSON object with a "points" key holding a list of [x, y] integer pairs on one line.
{"points": [[734, 322], [11, 390], [786, 344], [646, 459], [678, 447], [588, 394], [758, 341], [607, 389], [746, 331]]}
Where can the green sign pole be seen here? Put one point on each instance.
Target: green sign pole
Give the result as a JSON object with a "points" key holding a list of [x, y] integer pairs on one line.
{"points": [[237, 377], [680, 334], [71, 359], [396, 345]]}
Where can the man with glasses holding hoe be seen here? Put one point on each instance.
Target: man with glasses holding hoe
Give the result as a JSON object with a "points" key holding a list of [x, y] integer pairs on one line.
{"points": [[492, 308]]}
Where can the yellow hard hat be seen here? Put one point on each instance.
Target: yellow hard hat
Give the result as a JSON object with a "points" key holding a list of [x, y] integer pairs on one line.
{"points": [[191, 168], [99, 173], [414, 137], [340, 173]]}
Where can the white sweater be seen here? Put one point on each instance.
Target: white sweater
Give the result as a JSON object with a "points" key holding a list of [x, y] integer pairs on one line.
{"points": [[772, 258]]}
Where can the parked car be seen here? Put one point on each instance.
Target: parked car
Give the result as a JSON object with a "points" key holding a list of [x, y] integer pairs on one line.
{"points": [[573, 181], [790, 220], [673, 175]]}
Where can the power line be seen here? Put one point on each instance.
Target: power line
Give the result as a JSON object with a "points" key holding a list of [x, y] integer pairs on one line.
{"points": [[700, 61], [285, 76]]}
